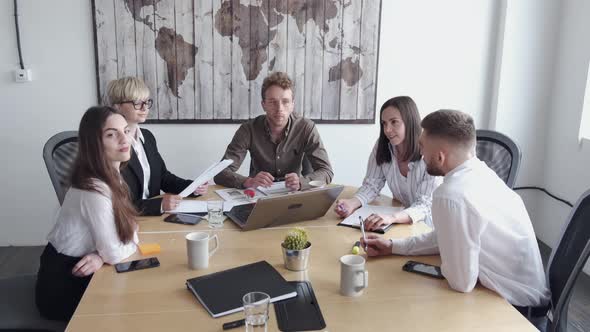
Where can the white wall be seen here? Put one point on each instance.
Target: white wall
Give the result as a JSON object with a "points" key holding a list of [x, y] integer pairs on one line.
{"points": [[524, 91], [439, 54], [568, 160]]}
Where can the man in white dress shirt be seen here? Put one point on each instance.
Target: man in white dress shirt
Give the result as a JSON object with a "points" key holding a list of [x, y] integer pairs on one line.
{"points": [[482, 229]]}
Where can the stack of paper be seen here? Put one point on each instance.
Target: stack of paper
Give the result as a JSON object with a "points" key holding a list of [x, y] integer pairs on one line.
{"points": [[277, 188]]}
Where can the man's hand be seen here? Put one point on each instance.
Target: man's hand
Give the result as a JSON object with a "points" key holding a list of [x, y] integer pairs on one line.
{"points": [[262, 179], [87, 265], [292, 181], [376, 245], [170, 202], [377, 221]]}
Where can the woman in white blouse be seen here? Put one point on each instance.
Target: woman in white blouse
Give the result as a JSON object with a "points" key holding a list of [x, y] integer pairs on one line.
{"points": [[396, 159], [96, 222]]}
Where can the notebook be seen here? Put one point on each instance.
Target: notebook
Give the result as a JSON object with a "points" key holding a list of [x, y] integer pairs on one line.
{"points": [[367, 210], [221, 292]]}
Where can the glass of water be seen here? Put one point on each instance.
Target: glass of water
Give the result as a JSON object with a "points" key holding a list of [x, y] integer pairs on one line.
{"points": [[215, 215], [256, 311]]}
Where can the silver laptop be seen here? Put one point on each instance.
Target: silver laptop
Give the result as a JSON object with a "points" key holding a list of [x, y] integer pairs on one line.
{"points": [[285, 209]]}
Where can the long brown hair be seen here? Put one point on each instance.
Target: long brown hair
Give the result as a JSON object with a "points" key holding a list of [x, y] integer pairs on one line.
{"points": [[91, 164], [411, 118]]}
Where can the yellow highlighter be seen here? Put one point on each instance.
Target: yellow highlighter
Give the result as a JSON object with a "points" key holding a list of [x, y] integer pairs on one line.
{"points": [[356, 249], [149, 248]]}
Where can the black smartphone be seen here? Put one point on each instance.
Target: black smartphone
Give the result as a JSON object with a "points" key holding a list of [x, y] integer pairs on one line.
{"points": [[185, 219], [139, 264], [423, 268]]}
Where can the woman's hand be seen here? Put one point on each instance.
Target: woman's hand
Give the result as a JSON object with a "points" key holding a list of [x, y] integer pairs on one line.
{"points": [[87, 265], [170, 202], [202, 189], [345, 207], [377, 221]]}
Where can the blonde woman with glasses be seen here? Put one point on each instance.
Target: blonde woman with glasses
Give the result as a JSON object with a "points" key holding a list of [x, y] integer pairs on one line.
{"points": [[146, 174]]}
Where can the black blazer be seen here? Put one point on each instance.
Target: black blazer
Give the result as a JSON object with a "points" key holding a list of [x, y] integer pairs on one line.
{"points": [[160, 178]]}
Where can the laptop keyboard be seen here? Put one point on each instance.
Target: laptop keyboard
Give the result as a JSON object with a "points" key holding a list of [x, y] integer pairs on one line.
{"points": [[242, 212]]}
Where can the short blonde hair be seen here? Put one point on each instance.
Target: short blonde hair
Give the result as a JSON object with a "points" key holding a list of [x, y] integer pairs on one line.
{"points": [[279, 79], [126, 89]]}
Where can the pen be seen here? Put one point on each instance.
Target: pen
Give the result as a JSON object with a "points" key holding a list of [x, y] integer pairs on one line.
{"points": [[363, 231], [341, 207], [234, 324]]}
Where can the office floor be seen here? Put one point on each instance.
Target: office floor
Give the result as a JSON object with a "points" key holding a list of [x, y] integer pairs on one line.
{"points": [[25, 260]]}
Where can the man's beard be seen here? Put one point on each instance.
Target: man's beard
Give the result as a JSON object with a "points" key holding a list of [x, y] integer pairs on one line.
{"points": [[434, 170]]}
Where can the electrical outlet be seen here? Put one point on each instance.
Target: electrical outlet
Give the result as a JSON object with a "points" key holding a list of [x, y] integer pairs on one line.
{"points": [[23, 75]]}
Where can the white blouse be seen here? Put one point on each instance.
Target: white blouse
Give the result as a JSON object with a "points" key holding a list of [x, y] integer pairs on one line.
{"points": [[414, 191], [483, 232], [137, 144], [86, 224]]}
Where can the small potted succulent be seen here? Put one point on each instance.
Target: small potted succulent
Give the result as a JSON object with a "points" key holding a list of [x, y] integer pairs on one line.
{"points": [[296, 249]]}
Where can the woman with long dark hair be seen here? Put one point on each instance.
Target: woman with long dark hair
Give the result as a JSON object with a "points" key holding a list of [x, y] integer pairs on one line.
{"points": [[96, 222], [396, 159]]}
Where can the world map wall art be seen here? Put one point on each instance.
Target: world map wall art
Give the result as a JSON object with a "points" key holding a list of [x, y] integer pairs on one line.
{"points": [[204, 60]]}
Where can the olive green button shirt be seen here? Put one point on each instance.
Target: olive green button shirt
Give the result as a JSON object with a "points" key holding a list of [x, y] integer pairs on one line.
{"points": [[301, 138]]}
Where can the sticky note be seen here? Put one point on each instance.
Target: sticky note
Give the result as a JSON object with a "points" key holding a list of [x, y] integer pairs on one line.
{"points": [[149, 248]]}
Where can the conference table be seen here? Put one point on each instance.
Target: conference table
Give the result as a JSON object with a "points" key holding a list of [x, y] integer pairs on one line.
{"points": [[157, 299]]}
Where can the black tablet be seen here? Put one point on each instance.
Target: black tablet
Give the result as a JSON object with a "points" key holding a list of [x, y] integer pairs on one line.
{"points": [[185, 219]]}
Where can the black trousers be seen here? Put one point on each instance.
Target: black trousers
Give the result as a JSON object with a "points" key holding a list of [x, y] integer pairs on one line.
{"points": [[58, 291]]}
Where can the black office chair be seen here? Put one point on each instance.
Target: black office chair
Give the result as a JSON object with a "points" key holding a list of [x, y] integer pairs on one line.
{"points": [[567, 261], [500, 153], [18, 311], [59, 154]]}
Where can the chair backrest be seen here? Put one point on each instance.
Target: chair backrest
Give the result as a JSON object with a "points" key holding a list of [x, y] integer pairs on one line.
{"points": [[500, 153], [59, 154], [567, 261]]}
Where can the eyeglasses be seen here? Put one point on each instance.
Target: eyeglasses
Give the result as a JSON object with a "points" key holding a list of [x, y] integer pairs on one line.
{"points": [[138, 104], [275, 103]]}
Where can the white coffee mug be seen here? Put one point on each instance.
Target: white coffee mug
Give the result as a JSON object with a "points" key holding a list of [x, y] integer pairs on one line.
{"points": [[353, 277], [197, 248]]}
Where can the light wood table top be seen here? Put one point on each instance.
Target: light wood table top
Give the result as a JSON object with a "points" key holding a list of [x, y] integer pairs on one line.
{"points": [[157, 299]]}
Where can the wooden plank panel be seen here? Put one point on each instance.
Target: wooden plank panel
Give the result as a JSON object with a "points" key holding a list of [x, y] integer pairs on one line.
{"points": [[240, 60], [165, 61], [145, 48], [350, 70], [313, 60], [204, 31], [259, 45], [185, 58], [332, 58], [106, 50], [296, 50], [367, 93], [277, 52], [127, 60], [222, 66]]}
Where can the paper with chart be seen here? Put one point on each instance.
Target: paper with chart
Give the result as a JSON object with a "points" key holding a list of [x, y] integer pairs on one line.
{"points": [[208, 174], [367, 210], [237, 196]]}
